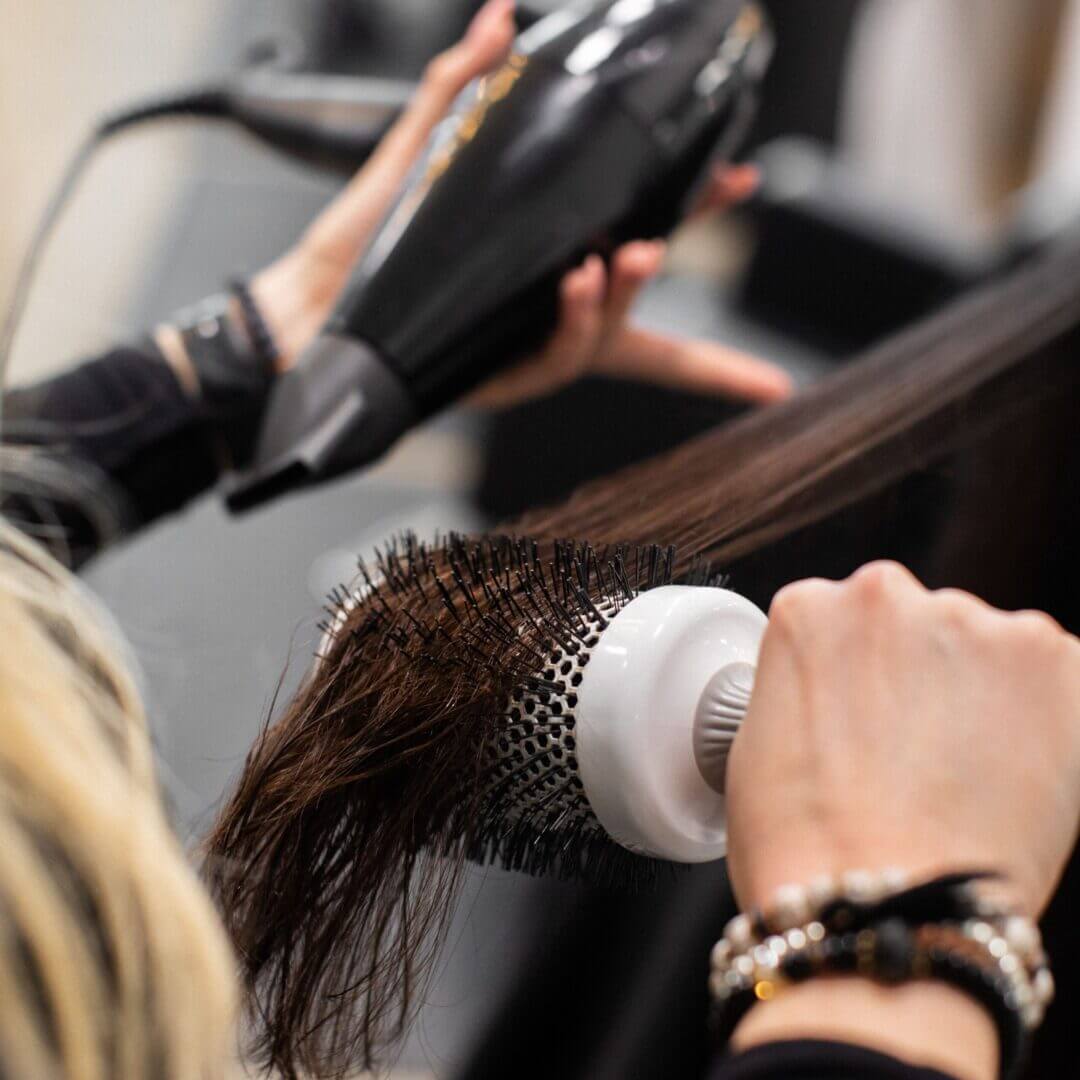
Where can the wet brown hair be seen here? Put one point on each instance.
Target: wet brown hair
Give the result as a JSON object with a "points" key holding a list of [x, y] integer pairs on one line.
{"points": [[336, 859]]}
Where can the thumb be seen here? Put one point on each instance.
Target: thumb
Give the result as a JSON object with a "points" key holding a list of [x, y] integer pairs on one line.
{"points": [[340, 233]]}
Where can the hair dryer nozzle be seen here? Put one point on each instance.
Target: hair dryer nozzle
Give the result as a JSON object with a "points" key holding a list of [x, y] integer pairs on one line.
{"points": [[340, 407]]}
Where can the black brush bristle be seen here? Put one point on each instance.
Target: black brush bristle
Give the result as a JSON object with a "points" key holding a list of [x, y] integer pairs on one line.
{"points": [[507, 610]]}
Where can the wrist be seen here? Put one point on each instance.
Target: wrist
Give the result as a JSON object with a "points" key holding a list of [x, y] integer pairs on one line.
{"points": [[295, 295], [220, 364], [923, 1023]]}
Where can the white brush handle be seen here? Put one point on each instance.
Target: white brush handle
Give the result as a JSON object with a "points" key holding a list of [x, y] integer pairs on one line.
{"points": [[662, 697], [720, 715]]}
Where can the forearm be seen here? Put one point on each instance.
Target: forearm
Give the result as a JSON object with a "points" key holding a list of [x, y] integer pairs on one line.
{"points": [[145, 429], [924, 1024], [808, 1059]]}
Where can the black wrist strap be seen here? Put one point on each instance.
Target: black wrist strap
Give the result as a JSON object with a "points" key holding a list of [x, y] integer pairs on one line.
{"points": [[948, 898], [954, 969], [917, 933], [262, 338], [234, 382]]}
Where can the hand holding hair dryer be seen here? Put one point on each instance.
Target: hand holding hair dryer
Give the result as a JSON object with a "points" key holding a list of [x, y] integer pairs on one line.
{"points": [[595, 132]]}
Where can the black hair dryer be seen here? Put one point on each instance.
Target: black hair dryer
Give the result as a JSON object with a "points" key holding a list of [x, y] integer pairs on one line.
{"points": [[595, 132]]}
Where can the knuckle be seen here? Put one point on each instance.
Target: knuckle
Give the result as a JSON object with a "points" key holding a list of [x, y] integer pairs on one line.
{"points": [[782, 613], [957, 609], [440, 69], [879, 580], [796, 605], [1036, 628]]}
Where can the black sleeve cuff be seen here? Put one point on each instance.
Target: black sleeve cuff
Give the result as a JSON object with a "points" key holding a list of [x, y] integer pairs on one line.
{"points": [[818, 1061], [124, 427]]}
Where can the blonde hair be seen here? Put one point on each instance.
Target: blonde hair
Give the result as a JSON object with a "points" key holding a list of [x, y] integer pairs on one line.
{"points": [[113, 964]]}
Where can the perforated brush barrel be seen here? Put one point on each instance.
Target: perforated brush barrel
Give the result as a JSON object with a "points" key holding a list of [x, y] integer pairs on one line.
{"points": [[603, 700], [627, 735], [536, 772]]}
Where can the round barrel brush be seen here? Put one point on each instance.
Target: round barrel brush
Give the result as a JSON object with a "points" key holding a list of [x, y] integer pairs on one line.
{"points": [[628, 691], [544, 706]]}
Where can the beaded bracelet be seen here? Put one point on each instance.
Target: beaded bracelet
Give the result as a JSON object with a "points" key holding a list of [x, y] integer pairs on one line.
{"points": [[877, 927], [262, 338], [233, 379]]}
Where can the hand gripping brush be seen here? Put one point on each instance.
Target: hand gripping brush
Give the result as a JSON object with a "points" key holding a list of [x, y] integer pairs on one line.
{"points": [[544, 706]]}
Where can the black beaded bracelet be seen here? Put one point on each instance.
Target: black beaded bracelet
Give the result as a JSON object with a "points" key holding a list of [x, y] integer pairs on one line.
{"points": [[991, 990], [233, 382], [262, 338], [862, 898], [952, 929], [883, 959]]}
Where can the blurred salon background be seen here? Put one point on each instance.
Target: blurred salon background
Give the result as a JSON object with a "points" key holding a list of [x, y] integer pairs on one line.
{"points": [[910, 149]]}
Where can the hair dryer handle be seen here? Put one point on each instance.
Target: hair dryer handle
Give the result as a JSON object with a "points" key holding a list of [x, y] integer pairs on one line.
{"points": [[660, 704]]}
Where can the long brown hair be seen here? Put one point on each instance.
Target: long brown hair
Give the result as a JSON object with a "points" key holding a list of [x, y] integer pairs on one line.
{"points": [[335, 860]]}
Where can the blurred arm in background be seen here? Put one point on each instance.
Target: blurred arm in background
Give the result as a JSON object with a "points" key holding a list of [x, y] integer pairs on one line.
{"points": [[139, 430]]}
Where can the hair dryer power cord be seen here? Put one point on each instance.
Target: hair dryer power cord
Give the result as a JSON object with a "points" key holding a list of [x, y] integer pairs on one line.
{"points": [[201, 103]]}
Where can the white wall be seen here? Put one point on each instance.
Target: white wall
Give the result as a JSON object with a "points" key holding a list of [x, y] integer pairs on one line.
{"points": [[1058, 160], [939, 108], [61, 63]]}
